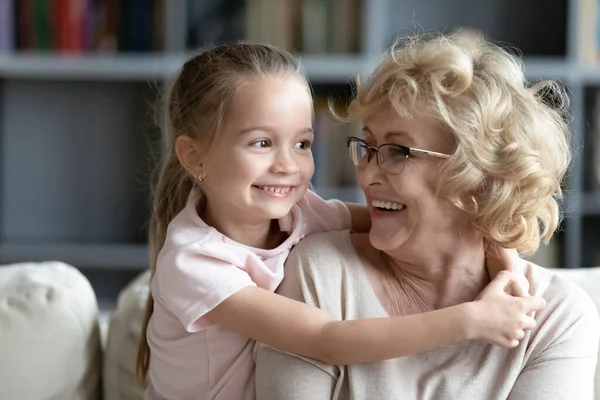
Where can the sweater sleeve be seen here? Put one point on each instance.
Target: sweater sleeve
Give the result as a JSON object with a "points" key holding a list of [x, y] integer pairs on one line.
{"points": [[281, 375], [564, 368]]}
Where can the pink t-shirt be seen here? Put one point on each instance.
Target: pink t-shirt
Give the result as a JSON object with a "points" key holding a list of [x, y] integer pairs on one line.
{"points": [[197, 269]]}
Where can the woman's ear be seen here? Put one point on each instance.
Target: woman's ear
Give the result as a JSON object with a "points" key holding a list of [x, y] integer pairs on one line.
{"points": [[189, 153]]}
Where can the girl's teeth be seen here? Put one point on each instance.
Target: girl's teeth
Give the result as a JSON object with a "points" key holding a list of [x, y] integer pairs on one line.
{"points": [[275, 189], [387, 205]]}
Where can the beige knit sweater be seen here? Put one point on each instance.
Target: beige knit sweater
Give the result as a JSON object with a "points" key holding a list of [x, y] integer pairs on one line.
{"points": [[554, 361]]}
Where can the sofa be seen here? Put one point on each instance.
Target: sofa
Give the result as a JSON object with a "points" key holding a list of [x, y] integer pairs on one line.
{"points": [[54, 345]]}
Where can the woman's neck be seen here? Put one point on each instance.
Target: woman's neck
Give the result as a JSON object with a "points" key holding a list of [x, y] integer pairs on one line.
{"points": [[258, 234], [440, 276]]}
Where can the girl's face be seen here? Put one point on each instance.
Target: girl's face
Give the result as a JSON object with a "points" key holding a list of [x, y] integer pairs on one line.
{"points": [[261, 163]]}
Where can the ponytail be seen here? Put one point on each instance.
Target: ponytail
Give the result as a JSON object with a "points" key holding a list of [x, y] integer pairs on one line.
{"points": [[170, 196]]}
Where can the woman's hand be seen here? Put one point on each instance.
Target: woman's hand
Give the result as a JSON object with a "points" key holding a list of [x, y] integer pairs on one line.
{"points": [[501, 318]]}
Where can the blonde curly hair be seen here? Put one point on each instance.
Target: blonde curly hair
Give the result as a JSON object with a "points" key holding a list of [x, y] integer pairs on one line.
{"points": [[512, 140]]}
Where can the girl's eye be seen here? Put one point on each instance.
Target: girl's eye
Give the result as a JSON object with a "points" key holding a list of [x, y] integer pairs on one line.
{"points": [[263, 143], [303, 145]]}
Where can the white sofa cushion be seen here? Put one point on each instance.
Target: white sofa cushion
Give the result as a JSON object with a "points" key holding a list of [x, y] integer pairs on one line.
{"points": [[120, 382], [589, 280], [49, 336]]}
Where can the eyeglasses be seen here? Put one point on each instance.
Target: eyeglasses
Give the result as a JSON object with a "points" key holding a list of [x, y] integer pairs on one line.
{"points": [[391, 157]]}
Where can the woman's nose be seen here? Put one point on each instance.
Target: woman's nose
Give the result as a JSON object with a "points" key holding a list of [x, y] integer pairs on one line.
{"points": [[284, 163], [371, 173]]}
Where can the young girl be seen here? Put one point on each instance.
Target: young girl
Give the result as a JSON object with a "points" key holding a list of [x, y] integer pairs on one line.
{"points": [[231, 201]]}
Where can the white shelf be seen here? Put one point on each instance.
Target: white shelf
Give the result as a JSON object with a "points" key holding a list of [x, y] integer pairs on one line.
{"points": [[102, 256], [589, 74], [590, 204], [548, 68], [142, 67], [86, 67]]}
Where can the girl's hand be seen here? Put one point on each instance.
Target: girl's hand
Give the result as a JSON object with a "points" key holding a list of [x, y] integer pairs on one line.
{"points": [[501, 259], [501, 318], [519, 286]]}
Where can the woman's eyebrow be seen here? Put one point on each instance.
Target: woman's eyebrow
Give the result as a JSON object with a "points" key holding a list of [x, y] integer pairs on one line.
{"points": [[404, 136], [389, 136]]}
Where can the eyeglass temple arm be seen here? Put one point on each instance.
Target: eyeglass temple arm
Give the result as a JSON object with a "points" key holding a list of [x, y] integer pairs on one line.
{"points": [[429, 153]]}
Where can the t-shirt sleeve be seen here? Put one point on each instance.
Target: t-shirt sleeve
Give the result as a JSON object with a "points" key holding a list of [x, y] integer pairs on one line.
{"points": [[190, 281], [324, 215]]}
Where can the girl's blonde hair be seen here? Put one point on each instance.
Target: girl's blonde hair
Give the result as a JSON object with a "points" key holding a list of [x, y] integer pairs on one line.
{"points": [[196, 105], [512, 140]]}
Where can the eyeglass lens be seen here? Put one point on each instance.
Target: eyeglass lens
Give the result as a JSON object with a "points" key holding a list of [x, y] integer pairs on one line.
{"points": [[391, 157]]}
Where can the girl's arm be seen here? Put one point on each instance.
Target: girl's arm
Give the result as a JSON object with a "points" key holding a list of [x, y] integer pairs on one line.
{"points": [[361, 219], [305, 330]]}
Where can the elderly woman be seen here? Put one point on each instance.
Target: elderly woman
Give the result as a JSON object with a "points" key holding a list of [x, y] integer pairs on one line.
{"points": [[457, 152]]}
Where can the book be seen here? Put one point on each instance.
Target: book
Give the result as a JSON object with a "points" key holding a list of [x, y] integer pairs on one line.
{"points": [[7, 16]]}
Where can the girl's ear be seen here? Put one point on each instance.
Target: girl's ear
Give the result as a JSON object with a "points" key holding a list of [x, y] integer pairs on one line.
{"points": [[189, 155]]}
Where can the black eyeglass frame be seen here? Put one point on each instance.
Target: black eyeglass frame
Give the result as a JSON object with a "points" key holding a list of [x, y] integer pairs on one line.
{"points": [[408, 151]]}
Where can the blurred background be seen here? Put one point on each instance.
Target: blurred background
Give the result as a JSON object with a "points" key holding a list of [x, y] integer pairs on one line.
{"points": [[79, 81]]}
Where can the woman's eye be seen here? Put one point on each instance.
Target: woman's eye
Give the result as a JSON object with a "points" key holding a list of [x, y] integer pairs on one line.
{"points": [[260, 143], [303, 145], [398, 152]]}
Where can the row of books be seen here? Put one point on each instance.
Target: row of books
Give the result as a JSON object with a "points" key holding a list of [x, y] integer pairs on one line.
{"points": [[80, 26], [309, 26], [589, 31], [333, 167]]}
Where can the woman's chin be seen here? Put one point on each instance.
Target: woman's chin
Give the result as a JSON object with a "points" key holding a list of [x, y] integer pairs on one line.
{"points": [[384, 239]]}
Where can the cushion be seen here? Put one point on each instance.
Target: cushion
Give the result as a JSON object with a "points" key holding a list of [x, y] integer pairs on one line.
{"points": [[120, 382], [589, 280], [49, 336]]}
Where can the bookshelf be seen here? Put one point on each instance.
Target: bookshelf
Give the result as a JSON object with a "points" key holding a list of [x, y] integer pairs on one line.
{"points": [[77, 132]]}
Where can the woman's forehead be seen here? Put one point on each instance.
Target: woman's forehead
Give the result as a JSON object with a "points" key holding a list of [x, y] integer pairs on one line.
{"points": [[388, 124], [416, 129]]}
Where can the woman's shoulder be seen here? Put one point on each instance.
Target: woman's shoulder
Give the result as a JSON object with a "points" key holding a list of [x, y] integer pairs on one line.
{"points": [[555, 283], [568, 302], [322, 246], [325, 270], [321, 257]]}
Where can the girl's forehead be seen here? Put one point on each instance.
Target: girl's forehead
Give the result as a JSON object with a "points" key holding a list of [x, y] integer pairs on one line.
{"points": [[276, 104]]}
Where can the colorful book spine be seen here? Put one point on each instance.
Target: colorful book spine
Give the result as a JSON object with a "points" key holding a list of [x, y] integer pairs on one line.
{"points": [[7, 16]]}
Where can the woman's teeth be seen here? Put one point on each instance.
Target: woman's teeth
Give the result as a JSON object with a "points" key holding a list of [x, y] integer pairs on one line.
{"points": [[387, 205], [276, 189]]}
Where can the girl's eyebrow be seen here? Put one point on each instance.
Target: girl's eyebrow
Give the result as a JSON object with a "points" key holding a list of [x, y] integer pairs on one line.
{"points": [[255, 128], [270, 129]]}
